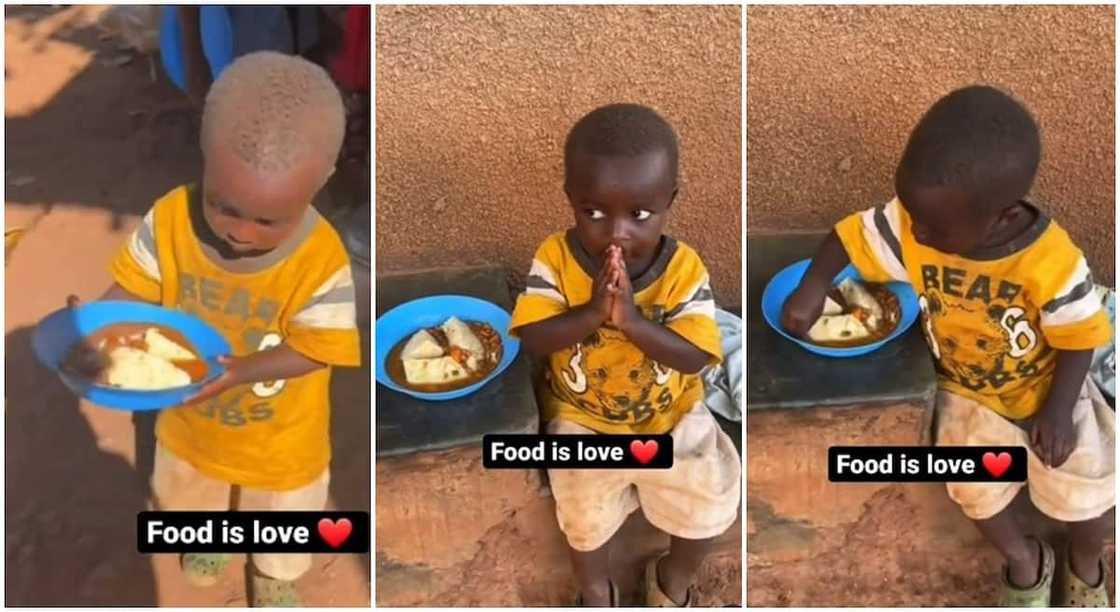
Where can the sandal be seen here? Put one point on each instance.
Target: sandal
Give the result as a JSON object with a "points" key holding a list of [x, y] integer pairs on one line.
{"points": [[655, 597], [272, 593], [614, 596], [1037, 596], [1075, 593], [203, 569]]}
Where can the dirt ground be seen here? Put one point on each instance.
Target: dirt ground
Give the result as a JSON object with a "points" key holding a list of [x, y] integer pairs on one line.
{"points": [[91, 141]]}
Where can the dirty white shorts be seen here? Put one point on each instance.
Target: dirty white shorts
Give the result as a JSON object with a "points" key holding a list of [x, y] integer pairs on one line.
{"points": [[177, 485], [697, 498], [1080, 489]]}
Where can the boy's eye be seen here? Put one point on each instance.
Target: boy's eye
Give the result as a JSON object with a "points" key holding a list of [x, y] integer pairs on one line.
{"points": [[642, 215], [595, 213]]}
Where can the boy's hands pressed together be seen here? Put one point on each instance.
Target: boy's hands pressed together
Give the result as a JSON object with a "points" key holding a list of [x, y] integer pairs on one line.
{"points": [[623, 312], [605, 288]]}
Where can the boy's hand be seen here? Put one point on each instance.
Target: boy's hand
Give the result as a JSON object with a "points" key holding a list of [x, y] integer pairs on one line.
{"points": [[229, 379], [623, 310], [1052, 434], [803, 308], [605, 288]]}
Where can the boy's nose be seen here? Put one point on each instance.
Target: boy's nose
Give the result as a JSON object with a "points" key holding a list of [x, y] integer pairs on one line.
{"points": [[620, 233]]}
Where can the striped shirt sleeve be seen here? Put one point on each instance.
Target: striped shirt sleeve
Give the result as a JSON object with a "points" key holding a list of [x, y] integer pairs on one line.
{"points": [[136, 266], [692, 311], [543, 297], [1071, 314], [325, 328], [872, 239]]}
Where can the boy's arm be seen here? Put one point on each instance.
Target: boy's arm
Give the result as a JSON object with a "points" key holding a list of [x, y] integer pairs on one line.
{"points": [[804, 306], [550, 335], [659, 343], [277, 363], [664, 346], [1052, 433], [563, 330]]}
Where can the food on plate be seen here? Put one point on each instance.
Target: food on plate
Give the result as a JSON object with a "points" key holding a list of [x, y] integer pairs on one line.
{"points": [[856, 313], [138, 357], [451, 356]]}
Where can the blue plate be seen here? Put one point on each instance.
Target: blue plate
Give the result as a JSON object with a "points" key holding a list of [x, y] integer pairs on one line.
{"points": [[785, 283], [57, 334], [401, 322]]}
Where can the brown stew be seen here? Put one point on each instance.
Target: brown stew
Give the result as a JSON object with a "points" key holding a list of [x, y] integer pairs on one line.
{"points": [[89, 359], [892, 314], [491, 345]]}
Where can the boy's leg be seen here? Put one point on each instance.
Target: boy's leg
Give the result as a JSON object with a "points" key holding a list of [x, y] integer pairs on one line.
{"points": [[591, 505], [310, 497], [1023, 554], [592, 569], [694, 501], [1086, 541], [676, 571], [177, 485]]}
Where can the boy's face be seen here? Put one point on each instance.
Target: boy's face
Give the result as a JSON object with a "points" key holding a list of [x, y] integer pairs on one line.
{"points": [[254, 212], [623, 201], [945, 220]]}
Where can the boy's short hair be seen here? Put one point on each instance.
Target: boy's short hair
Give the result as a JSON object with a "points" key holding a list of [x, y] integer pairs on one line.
{"points": [[977, 140], [275, 110], [621, 130]]}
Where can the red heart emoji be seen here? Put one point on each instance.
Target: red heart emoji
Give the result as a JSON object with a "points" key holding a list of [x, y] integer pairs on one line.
{"points": [[335, 533], [996, 465], [644, 452]]}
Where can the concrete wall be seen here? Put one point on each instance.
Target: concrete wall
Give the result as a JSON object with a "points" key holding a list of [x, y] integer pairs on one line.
{"points": [[833, 92], [474, 103]]}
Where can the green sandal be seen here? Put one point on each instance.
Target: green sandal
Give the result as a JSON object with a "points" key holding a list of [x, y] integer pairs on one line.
{"points": [[272, 593], [203, 569], [655, 597], [1075, 593], [1037, 596]]}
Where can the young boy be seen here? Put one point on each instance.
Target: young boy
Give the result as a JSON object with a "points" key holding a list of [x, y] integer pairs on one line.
{"points": [[246, 252], [1010, 315], [625, 317]]}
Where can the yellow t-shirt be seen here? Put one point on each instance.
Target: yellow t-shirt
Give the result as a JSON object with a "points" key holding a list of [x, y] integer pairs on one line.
{"points": [[270, 435], [992, 321], [605, 382]]}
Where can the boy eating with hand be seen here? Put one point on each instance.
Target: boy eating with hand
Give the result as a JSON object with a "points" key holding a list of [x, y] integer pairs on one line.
{"points": [[1011, 317], [625, 317]]}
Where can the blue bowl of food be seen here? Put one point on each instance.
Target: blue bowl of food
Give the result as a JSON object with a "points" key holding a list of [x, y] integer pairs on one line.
{"points": [[786, 282], [442, 347], [130, 355]]}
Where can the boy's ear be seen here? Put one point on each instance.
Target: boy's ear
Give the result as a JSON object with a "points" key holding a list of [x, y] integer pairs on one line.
{"points": [[672, 198]]}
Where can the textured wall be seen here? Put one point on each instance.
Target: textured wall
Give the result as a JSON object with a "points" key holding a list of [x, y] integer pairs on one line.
{"points": [[474, 103], [833, 92]]}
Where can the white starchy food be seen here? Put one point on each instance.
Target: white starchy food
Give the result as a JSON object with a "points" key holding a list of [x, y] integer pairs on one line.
{"points": [[831, 307], [437, 371], [841, 328], [421, 345], [858, 296], [131, 368], [163, 347], [460, 335]]}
